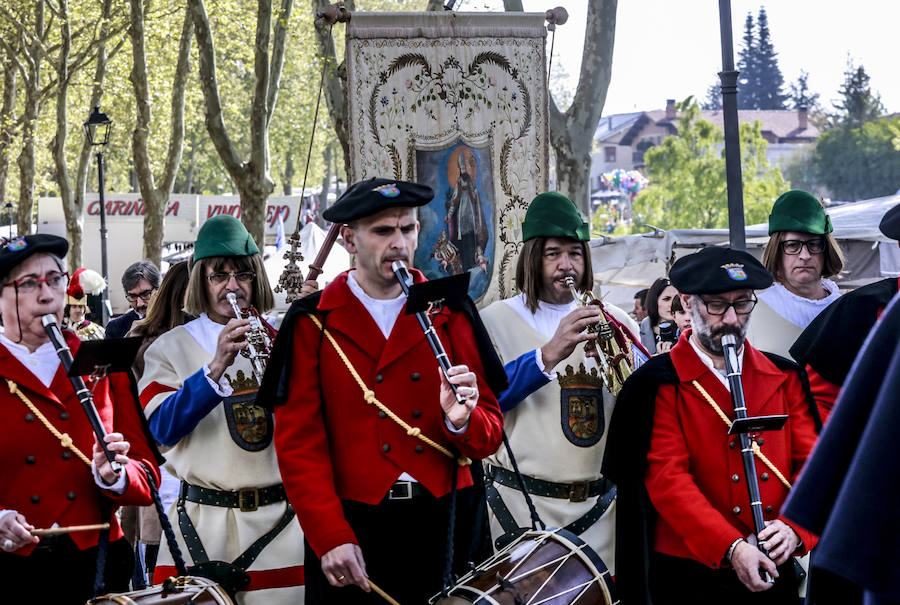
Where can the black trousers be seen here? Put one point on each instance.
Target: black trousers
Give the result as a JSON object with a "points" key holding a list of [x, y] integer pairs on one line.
{"points": [[403, 544], [58, 572], [677, 581]]}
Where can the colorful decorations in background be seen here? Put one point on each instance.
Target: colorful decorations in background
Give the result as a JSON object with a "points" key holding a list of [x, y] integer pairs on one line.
{"points": [[629, 182]]}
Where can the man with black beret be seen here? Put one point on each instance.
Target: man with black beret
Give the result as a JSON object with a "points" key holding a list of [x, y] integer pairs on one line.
{"points": [[370, 437], [54, 474], [845, 322], [682, 491], [557, 397], [232, 518]]}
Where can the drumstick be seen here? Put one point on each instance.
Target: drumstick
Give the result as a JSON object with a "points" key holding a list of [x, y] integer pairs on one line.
{"points": [[382, 594], [55, 531]]}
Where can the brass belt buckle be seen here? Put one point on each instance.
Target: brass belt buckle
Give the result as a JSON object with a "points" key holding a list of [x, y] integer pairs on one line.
{"points": [[248, 499], [578, 491]]}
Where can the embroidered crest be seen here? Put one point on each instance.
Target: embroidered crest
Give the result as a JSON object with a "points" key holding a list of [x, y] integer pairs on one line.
{"points": [[581, 405], [735, 271], [249, 424], [388, 190], [17, 244]]}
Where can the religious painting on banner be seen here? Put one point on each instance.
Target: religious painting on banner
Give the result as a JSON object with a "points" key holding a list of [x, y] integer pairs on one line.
{"points": [[457, 101], [457, 227]]}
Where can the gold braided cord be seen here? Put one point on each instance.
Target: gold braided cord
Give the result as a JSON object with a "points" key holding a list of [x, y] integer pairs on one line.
{"points": [[755, 446], [64, 439], [369, 396]]}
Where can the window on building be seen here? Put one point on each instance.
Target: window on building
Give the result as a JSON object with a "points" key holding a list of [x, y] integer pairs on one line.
{"points": [[610, 153]]}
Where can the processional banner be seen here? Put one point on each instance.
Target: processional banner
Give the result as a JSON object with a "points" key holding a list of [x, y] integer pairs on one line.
{"points": [[456, 101]]}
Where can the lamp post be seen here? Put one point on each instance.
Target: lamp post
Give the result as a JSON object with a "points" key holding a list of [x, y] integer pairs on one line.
{"points": [[9, 209], [97, 129], [729, 78]]}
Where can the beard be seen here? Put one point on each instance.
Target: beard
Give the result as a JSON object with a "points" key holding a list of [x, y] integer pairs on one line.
{"points": [[711, 338]]}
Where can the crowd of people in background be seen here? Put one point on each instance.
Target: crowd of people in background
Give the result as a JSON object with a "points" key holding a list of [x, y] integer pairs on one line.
{"points": [[290, 485]]}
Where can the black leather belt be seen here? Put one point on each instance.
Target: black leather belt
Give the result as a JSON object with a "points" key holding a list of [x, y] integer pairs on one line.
{"points": [[247, 499], [406, 490], [578, 491]]}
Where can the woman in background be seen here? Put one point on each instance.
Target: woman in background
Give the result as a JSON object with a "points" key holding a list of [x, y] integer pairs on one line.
{"points": [[659, 309]]}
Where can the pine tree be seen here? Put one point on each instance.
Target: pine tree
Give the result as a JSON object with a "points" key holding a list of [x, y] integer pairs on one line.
{"points": [[801, 96], [748, 87], [770, 82], [713, 99], [858, 103]]}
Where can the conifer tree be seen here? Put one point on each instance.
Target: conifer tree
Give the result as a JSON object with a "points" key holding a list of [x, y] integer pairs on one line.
{"points": [[801, 96], [748, 87], [770, 82], [858, 102]]}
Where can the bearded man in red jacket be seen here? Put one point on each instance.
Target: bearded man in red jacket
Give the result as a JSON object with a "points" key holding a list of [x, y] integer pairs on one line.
{"points": [[372, 496], [685, 532]]}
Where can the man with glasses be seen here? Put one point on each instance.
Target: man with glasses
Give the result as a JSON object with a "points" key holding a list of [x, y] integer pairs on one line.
{"points": [[801, 254], [54, 475], [199, 395], [139, 281], [684, 523]]}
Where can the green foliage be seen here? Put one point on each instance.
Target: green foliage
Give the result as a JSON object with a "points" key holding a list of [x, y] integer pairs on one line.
{"points": [[801, 96], [862, 162], [858, 103], [687, 177], [761, 84]]}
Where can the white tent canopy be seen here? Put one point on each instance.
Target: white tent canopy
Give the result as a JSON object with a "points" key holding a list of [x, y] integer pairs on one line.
{"points": [[624, 265]]}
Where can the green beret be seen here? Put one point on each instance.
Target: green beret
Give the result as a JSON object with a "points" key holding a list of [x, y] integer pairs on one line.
{"points": [[799, 211], [551, 214], [223, 235]]}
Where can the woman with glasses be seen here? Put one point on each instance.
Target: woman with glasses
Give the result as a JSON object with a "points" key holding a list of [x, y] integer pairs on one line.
{"points": [[802, 254], [54, 475], [659, 311]]}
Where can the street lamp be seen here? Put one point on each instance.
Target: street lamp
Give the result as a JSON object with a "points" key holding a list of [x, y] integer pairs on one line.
{"points": [[729, 78], [97, 129], [9, 209]]}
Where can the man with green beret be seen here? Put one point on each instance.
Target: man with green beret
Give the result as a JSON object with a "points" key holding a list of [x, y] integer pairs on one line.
{"points": [[557, 407], [685, 513], [801, 254], [198, 394]]}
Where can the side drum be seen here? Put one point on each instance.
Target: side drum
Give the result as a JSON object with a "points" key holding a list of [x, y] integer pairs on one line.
{"points": [[174, 591], [552, 567]]}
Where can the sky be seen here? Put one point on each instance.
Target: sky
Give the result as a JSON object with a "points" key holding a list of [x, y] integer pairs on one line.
{"points": [[669, 50]]}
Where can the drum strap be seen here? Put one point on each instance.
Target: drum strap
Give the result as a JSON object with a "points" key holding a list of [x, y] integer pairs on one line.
{"points": [[508, 523], [195, 546]]}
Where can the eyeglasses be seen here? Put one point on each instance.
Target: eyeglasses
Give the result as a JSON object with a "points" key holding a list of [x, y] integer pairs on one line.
{"points": [[794, 246], [26, 285], [742, 306], [243, 277], [145, 295]]}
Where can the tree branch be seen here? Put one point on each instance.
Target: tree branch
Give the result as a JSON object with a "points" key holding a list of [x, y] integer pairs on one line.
{"points": [[179, 86], [596, 68], [278, 47], [259, 115]]}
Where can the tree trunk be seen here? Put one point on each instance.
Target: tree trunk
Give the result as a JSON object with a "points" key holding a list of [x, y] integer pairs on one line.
{"points": [[7, 130], [25, 161], [156, 199], [251, 179], [58, 145], [326, 179], [335, 85], [572, 132], [287, 186]]}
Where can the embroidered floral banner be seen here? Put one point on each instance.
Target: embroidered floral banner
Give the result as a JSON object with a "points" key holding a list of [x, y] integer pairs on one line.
{"points": [[456, 101]]}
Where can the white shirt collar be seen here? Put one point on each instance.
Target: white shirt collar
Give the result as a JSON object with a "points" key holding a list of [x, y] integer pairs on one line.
{"points": [[384, 311], [43, 363], [205, 331], [708, 362]]}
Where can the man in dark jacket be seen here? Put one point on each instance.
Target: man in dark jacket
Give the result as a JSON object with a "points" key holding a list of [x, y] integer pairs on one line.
{"points": [[139, 281]]}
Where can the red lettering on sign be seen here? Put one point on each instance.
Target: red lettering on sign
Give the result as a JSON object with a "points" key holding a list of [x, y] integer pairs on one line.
{"points": [[172, 209], [94, 208]]}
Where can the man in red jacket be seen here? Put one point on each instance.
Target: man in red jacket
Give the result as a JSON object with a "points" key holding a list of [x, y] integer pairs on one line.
{"points": [[700, 527], [54, 473], [364, 389]]}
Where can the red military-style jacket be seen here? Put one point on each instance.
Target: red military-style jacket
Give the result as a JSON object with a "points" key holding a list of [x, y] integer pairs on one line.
{"points": [[333, 446], [695, 477], [48, 483]]}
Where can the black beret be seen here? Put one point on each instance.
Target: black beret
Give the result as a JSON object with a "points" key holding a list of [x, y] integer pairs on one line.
{"points": [[366, 198], [714, 270], [15, 251], [890, 223]]}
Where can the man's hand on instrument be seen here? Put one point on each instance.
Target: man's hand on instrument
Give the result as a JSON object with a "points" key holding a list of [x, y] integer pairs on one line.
{"points": [[343, 565], [780, 540], [467, 385], [115, 443], [232, 339], [14, 532], [308, 287], [572, 329], [748, 561]]}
